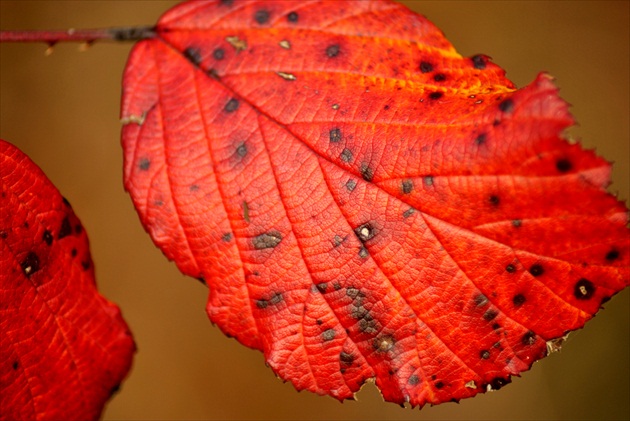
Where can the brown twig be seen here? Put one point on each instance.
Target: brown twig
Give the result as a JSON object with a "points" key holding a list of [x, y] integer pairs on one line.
{"points": [[133, 33]]}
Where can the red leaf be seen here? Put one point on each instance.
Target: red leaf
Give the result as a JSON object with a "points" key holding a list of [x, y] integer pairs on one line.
{"points": [[364, 202], [65, 348]]}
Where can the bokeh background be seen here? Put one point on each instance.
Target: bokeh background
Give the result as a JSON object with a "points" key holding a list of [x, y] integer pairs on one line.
{"points": [[62, 110]]}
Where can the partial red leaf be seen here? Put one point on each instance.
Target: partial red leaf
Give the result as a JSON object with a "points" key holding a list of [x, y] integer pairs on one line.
{"points": [[363, 201], [65, 349]]}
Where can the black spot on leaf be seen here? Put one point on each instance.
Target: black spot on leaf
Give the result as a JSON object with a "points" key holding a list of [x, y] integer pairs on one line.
{"points": [[332, 50], [480, 139], [261, 16], [613, 254], [436, 95], [536, 270], [494, 200], [47, 237], [365, 232], [426, 67], [241, 149], [65, 229], [322, 286], [518, 300], [328, 335], [346, 358], [408, 212], [439, 385], [583, 289], [413, 379], [480, 300], [226, 237], [351, 184], [510, 268], [529, 338], [517, 223], [440, 77], [30, 264], [293, 17], [144, 164], [383, 343], [218, 54], [193, 55], [267, 240], [564, 165], [231, 105], [366, 172], [15, 365], [428, 180], [346, 155], [490, 315], [335, 135], [407, 186], [479, 61], [506, 106], [485, 354], [498, 382]]}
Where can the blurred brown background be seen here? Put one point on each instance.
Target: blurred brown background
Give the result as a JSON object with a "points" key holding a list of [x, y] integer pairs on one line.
{"points": [[63, 110]]}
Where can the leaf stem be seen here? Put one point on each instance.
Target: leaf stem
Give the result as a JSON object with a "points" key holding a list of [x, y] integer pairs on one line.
{"points": [[122, 34]]}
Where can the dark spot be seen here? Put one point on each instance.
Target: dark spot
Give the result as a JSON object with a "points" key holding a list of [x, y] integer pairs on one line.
{"points": [[227, 2], [498, 382], [439, 385], [436, 95], [352, 292], [328, 335], [386, 107], [144, 164], [218, 54], [85, 264], [346, 155], [519, 300], [48, 238], [480, 300], [407, 186], [584, 289], [440, 77], [507, 105], [336, 286], [346, 358], [335, 135], [494, 200], [428, 180], [226, 237], [485, 354], [213, 74], [366, 172], [202, 280], [367, 324], [261, 16], [332, 50], [363, 252], [413, 380], [481, 139], [194, 187], [25, 224], [510, 268], [292, 17], [408, 212], [30, 264], [536, 270], [231, 106], [276, 298], [158, 203], [241, 149], [365, 232], [564, 165], [3, 234], [267, 240], [192, 54], [426, 67], [517, 223], [73, 252], [496, 326], [262, 303], [66, 229], [490, 315], [613, 254], [351, 184], [479, 61], [319, 322], [529, 338], [322, 287], [114, 390], [604, 300], [15, 365], [78, 229], [337, 240], [383, 343]]}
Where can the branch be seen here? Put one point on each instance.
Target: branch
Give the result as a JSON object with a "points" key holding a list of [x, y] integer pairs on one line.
{"points": [[132, 33]]}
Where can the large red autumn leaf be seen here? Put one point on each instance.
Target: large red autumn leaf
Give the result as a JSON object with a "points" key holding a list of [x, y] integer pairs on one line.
{"points": [[364, 202], [65, 348]]}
